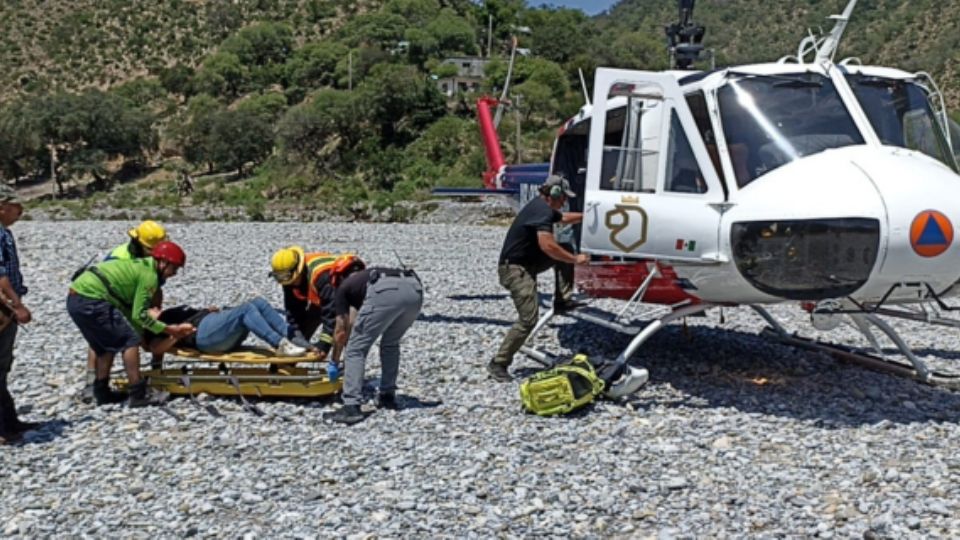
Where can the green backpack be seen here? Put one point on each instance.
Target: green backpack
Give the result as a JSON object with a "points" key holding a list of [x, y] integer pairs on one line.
{"points": [[561, 389]]}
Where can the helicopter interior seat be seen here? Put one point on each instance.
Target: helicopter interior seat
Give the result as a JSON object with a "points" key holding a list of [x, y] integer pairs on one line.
{"points": [[687, 180], [739, 154]]}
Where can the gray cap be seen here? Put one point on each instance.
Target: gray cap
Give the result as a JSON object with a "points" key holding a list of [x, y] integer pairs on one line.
{"points": [[555, 180], [8, 194]]}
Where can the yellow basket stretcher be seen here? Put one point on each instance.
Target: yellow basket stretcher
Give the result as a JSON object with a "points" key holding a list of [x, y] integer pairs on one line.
{"points": [[246, 371]]}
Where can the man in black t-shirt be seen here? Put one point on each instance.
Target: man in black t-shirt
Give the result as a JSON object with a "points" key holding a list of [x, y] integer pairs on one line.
{"points": [[528, 249]]}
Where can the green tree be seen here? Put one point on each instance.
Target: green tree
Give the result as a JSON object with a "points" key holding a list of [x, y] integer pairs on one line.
{"points": [[421, 45], [383, 30], [269, 106], [537, 99], [557, 34], [415, 12], [238, 137], [221, 74], [176, 79], [453, 33], [445, 141], [88, 129], [21, 146], [261, 44], [195, 130], [636, 50], [322, 128], [314, 65], [402, 101]]}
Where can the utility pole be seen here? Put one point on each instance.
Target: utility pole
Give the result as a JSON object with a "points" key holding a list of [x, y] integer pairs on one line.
{"points": [[489, 34], [53, 167], [516, 110]]}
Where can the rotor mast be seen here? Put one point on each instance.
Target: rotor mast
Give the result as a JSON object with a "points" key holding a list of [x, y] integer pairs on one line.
{"points": [[828, 48]]}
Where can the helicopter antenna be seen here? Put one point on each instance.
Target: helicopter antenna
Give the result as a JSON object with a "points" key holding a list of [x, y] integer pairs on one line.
{"points": [[583, 85], [829, 46], [685, 38]]}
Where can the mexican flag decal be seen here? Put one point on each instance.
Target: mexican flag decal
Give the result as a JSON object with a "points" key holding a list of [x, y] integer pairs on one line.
{"points": [[686, 245]]}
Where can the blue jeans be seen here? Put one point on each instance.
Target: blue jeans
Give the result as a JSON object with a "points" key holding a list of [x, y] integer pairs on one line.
{"points": [[224, 330]]}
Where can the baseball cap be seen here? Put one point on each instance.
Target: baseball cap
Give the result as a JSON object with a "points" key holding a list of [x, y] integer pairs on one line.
{"points": [[557, 180], [8, 194]]}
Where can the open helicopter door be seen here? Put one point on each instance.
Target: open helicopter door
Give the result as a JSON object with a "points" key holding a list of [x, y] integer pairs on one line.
{"points": [[652, 191]]}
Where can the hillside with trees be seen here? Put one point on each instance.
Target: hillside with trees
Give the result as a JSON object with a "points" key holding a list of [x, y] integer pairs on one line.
{"points": [[340, 104]]}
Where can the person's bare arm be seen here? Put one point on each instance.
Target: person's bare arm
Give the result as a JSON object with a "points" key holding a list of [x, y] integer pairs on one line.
{"points": [[553, 250], [571, 218], [12, 299], [340, 336]]}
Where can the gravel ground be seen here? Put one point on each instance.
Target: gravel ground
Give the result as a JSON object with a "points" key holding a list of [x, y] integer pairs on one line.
{"points": [[734, 436]]}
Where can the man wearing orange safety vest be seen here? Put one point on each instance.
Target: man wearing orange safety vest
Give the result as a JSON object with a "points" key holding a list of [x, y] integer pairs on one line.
{"points": [[309, 283]]}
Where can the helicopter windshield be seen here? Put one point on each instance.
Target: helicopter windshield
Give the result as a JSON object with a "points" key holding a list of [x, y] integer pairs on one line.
{"points": [[901, 115], [771, 120]]}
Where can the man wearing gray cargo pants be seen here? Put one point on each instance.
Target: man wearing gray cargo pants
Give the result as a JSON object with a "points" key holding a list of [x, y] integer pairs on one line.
{"points": [[387, 301]]}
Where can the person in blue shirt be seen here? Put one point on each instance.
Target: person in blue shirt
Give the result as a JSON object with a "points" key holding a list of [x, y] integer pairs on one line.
{"points": [[13, 313]]}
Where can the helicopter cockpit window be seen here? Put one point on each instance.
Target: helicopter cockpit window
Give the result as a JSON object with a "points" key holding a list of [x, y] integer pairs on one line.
{"points": [[631, 146], [683, 172], [772, 120], [901, 115]]}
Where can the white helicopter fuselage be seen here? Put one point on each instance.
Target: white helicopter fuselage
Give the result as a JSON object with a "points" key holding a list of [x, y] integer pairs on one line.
{"points": [[769, 182]]}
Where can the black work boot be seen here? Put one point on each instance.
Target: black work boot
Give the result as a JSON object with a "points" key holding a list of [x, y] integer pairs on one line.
{"points": [[499, 372], [388, 400], [104, 395], [143, 396], [348, 414], [568, 305]]}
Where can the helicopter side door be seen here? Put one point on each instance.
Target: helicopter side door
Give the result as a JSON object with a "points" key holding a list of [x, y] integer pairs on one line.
{"points": [[652, 191]]}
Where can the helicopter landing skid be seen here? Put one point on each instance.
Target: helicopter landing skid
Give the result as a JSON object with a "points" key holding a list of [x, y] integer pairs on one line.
{"points": [[641, 333], [915, 368]]}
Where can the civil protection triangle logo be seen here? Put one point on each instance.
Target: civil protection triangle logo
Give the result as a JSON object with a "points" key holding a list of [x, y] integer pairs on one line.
{"points": [[931, 233]]}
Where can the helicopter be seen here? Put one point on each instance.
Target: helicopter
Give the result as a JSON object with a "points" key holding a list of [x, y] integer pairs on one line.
{"points": [[826, 183]]}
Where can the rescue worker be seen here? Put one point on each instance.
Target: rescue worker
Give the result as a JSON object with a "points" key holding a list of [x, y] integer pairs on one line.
{"points": [[14, 313], [142, 239], [528, 249], [309, 282], [110, 304], [386, 302]]}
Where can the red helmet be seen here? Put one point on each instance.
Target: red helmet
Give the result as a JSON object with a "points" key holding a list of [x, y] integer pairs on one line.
{"points": [[170, 252]]}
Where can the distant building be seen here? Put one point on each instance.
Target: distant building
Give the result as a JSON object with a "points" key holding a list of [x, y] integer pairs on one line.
{"points": [[468, 78]]}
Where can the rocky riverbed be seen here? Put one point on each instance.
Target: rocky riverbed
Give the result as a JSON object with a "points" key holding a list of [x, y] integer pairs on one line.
{"points": [[734, 436]]}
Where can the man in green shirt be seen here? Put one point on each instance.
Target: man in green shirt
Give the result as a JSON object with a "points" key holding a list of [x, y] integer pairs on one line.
{"points": [[110, 302], [143, 238]]}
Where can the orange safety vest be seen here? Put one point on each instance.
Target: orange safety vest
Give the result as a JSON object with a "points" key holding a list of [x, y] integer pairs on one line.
{"points": [[320, 265]]}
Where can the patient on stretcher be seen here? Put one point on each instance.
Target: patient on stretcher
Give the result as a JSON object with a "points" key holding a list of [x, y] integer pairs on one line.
{"points": [[223, 330]]}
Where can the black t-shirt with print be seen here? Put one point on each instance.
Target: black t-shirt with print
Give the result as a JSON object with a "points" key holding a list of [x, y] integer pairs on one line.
{"points": [[521, 245]]}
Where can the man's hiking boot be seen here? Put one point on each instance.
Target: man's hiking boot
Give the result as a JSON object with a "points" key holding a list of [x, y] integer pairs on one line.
{"points": [[104, 395], [142, 396], [566, 306], [348, 414], [388, 400], [290, 349], [499, 372]]}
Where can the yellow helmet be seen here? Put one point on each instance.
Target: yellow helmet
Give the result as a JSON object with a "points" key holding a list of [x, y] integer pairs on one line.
{"points": [[287, 264], [148, 234]]}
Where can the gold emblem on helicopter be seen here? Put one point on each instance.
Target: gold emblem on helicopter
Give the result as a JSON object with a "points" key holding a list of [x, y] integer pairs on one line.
{"points": [[626, 234]]}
